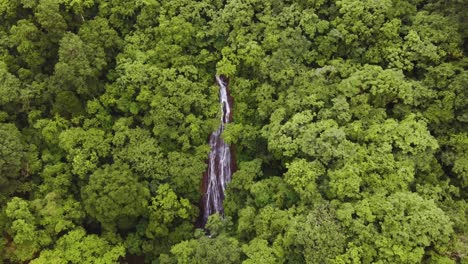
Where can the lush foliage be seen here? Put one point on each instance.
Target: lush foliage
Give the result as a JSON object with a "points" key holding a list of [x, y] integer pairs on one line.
{"points": [[350, 130]]}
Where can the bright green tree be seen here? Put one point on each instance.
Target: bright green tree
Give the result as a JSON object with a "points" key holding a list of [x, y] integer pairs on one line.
{"points": [[79, 247], [115, 197]]}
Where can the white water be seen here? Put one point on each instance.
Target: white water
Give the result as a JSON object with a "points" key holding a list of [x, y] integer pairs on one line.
{"points": [[220, 165]]}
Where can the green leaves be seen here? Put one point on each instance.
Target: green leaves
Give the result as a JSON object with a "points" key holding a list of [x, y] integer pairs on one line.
{"points": [[315, 237], [28, 239], [48, 15], [221, 249], [29, 43], [397, 228], [303, 175], [115, 197], [432, 39], [140, 150], [18, 160], [349, 117], [258, 251], [410, 136], [73, 70], [102, 43], [165, 208], [79, 247], [10, 86], [84, 148], [457, 156], [12, 151]]}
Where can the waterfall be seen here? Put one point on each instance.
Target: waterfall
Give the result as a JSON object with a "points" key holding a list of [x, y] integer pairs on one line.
{"points": [[220, 161]]}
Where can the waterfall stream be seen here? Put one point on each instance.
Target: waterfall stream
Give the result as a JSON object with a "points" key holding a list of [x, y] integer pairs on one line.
{"points": [[220, 160]]}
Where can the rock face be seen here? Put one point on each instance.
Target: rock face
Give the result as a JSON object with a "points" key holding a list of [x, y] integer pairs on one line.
{"points": [[220, 160]]}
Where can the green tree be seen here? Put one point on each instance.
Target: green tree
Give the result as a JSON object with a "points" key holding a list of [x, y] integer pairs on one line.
{"points": [[48, 15], [258, 251], [115, 197], [302, 176], [74, 71], [18, 161], [57, 213], [28, 237], [166, 210], [140, 150], [84, 149], [29, 42], [221, 249], [10, 87], [315, 237], [79, 247], [398, 228]]}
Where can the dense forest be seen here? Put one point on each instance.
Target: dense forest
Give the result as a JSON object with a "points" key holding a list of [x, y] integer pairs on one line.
{"points": [[349, 129]]}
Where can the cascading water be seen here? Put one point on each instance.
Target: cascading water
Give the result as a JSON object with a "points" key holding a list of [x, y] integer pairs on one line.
{"points": [[220, 162]]}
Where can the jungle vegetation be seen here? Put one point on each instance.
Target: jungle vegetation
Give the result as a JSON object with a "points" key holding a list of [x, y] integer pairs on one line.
{"points": [[350, 130]]}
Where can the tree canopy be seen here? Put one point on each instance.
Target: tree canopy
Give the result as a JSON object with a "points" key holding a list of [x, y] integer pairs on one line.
{"points": [[350, 130]]}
